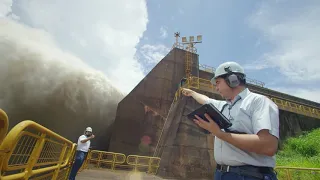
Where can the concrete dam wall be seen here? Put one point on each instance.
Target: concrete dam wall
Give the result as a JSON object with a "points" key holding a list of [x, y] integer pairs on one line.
{"points": [[149, 112], [142, 113]]}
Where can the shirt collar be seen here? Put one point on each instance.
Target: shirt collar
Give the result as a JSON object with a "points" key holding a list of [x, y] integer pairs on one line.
{"points": [[244, 93]]}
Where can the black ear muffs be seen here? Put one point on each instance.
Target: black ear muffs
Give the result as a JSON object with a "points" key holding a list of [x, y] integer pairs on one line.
{"points": [[231, 78]]}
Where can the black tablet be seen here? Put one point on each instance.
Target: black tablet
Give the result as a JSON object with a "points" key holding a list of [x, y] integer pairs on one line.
{"points": [[213, 112]]}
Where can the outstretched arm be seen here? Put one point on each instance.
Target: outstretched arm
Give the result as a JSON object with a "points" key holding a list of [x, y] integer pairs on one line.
{"points": [[200, 98]]}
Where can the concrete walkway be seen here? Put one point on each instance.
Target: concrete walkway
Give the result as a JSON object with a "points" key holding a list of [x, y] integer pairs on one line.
{"points": [[93, 174]]}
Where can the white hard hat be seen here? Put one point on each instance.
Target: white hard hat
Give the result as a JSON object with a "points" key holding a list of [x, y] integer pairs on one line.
{"points": [[227, 68], [89, 129]]}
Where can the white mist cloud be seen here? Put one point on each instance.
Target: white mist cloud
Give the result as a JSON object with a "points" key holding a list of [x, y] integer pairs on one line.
{"points": [[41, 82], [294, 36], [102, 33], [34, 72]]}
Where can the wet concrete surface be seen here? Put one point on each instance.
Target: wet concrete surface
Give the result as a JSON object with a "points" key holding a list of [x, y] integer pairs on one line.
{"points": [[103, 174]]}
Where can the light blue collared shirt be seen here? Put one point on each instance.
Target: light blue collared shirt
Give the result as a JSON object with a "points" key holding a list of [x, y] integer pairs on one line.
{"points": [[250, 114]]}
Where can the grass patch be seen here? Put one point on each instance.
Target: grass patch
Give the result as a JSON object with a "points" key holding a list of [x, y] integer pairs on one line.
{"points": [[302, 151]]}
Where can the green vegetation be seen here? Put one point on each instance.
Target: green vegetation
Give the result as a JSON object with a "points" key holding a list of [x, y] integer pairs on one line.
{"points": [[302, 151]]}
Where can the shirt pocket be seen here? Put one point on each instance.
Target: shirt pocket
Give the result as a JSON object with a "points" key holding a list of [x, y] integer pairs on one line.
{"points": [[243, 120]]}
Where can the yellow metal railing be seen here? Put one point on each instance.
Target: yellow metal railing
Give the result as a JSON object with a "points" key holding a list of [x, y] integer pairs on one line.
{"points": [[206, 85], [196, 83], [292, 173], [199, 83], [31, 151], [103, 159], [188, 63], [206, 68], [113, 161], [178, 45], [296, 108], [35, 152], [4, 123], [255, 82], [141, 162]]}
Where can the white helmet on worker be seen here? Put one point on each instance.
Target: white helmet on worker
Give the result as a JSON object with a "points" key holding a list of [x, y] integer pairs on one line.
{"points": [[232, 72], [89, 129]]}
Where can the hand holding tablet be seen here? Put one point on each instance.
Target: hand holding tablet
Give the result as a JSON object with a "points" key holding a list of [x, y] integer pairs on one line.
{"points": [[214, 113]]}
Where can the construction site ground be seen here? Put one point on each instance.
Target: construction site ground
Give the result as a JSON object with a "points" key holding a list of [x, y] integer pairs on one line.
{"points": [[103, 174]]}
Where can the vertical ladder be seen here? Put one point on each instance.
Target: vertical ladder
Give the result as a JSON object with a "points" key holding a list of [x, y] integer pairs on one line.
{"points": [[188, 64]]}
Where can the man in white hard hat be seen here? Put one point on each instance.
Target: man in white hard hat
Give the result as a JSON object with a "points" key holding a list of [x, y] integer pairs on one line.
{"points": [[248, 152], [82, 150]]}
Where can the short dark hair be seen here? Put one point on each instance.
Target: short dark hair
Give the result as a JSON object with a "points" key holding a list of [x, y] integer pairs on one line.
{"points": [[242, 78]]}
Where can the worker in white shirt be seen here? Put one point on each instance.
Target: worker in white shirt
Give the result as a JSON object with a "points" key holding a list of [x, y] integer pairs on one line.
{"points": [[82, 150], [248, 152]]}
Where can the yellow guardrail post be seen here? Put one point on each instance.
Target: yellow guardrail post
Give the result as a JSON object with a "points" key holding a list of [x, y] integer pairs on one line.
{"points": [[99, 158], [4, 123], [150, 166], [70, 161], [134, 160], [56, 172], [288, 174], [34, 156], [87, 159], [114, 161]]}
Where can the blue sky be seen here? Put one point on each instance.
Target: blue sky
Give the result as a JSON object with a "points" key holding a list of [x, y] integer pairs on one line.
{"points": [[248, 33], [276, 41]]}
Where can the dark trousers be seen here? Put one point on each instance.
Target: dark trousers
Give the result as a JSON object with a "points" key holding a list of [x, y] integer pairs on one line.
{"points": [[79, 159], [219, 175]]}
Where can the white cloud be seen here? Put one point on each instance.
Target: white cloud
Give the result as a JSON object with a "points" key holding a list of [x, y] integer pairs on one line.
{"points": [[5, 7], [152, 54], [256, 65], [163, 32], [103, 33], [294, 36], [311, 94]]}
